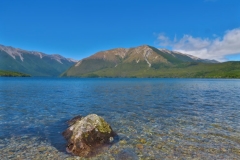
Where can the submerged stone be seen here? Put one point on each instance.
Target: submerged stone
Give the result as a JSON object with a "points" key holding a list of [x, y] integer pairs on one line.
{"points": [[126, 154], [86, 136]]}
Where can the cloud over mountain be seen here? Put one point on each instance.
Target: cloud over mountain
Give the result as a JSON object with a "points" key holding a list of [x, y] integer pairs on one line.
{"points": [[217, 48]]}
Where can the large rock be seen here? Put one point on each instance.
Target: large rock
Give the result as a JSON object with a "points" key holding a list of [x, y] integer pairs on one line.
{"points": [[87, 135]]}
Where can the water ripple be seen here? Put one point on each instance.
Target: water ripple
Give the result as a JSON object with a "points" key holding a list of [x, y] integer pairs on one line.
{"points": [[155, 118]]}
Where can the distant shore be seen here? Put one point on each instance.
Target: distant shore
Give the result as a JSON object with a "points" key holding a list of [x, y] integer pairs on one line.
{"points": [[13, 74]]}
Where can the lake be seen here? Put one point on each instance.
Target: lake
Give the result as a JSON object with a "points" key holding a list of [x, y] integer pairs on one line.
{"points": [[154, 118]]}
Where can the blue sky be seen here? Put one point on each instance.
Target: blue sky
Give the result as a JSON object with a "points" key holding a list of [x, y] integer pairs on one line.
{"points": [[79, 28]]}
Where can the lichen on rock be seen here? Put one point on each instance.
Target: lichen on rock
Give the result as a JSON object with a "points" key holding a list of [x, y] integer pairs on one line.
{"points": [[87, 135]]}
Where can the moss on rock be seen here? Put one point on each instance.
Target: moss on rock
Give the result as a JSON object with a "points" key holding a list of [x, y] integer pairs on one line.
{"points": [[86, 135]]}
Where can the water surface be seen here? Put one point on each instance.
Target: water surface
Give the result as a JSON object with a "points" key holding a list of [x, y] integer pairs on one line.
{"points": [[155, 118]]}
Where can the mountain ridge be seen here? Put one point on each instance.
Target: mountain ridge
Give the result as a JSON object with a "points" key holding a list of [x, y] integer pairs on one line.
{"points": [[13, 52], [125, 62], [33, 63], [123, 52]]}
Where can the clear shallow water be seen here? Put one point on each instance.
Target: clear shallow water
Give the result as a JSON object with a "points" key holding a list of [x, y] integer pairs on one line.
{"points": [[155, 118]]}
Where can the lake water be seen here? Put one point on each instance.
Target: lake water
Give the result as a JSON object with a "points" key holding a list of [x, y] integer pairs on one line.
{"points": [[154, 118]]}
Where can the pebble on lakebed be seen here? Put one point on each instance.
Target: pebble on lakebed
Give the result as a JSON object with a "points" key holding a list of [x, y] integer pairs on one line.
{"points": [[87, 136]]}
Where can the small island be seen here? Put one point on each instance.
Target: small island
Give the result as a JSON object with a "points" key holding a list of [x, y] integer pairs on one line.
{"points": [[13, 74]]}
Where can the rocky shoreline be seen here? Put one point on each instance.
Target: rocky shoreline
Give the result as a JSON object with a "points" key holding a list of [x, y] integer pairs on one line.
{"points": [[22, 148], [133, 143]]}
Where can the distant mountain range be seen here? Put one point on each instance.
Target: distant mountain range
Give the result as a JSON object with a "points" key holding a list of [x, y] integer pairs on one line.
{"points": [[147, 61], [32, 62], [142, 61]]}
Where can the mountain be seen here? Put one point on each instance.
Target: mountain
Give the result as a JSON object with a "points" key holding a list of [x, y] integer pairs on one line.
{"points": [[147, 61], [32, 62]]}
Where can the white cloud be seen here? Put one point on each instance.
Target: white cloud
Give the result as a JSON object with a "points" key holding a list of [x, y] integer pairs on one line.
{"points": [[216, 48], [164, 40]]}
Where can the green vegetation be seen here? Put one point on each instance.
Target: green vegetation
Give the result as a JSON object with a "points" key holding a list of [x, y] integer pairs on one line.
{"points": [[88, 66], [182, 70], [12, 74]]}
